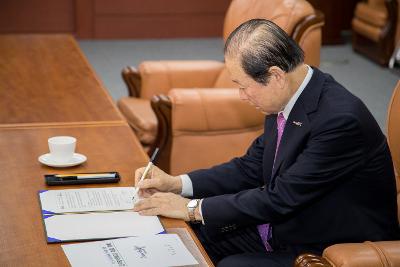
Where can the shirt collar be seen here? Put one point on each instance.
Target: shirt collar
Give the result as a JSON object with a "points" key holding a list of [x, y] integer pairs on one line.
{"points": [[289, 106]]}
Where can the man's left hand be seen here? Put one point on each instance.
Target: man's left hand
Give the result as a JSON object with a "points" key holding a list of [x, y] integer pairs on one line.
{"points": [[164, 204]]}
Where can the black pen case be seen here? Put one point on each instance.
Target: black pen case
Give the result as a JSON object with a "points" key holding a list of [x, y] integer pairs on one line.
{"points": [[51, 179]]}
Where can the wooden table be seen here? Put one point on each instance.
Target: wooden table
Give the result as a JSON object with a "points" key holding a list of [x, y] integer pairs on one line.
{"points": [[108, 148], [47, 88], [46, 78]]}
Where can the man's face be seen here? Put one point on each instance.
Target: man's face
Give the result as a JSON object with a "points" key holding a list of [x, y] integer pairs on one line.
{"points": [[270, 98]]}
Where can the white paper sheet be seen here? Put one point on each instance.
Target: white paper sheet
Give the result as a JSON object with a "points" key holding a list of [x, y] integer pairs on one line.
{"points": [[87, 199], [154, 251], [100, 226]]}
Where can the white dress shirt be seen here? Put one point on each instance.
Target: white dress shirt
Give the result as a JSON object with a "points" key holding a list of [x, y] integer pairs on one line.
{"points": [[187, 186]]}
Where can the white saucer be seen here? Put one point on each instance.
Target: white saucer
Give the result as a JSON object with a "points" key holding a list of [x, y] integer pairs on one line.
{"points": [[75, 160]]}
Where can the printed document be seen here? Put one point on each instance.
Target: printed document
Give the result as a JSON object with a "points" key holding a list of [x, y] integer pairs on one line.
{"points": [[91, 226], [93, 214], [155, 251], [87, 199]]}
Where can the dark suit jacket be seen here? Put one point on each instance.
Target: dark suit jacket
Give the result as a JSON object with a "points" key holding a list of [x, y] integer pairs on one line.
{"points": [[333, 179]]}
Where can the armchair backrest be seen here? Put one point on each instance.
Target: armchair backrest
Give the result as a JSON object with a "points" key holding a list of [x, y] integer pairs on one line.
{"points": [[285, 13], [201, 128], [296, 17], [393, 130]]}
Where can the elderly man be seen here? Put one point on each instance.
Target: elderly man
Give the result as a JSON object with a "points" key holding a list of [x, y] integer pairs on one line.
{"points": [[321, 173]]}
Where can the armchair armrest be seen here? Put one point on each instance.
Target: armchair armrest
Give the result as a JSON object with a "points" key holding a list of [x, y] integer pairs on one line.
{"points": [[140, 117], [311, 260], [158, 77], [193, 122], [308, 34], [132, 79], [371, 254]]}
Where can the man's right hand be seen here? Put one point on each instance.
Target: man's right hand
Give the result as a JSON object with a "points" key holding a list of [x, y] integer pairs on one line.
{"points": [[157, 181]]}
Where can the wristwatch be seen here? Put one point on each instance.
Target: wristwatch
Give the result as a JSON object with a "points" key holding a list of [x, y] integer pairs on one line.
{"points": [[192, 205]]}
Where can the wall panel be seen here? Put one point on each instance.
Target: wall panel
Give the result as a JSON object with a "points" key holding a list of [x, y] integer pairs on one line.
{"points": [[158, 18], [338, 16], [37, 16], [158, 27], [140, 7], [115, 19]]}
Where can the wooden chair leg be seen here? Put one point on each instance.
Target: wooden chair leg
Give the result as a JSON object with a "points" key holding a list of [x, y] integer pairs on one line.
{"points": [[311, 260]]}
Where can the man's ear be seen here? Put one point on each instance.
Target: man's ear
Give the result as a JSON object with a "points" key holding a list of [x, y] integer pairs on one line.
{"points": [[278, 75]]}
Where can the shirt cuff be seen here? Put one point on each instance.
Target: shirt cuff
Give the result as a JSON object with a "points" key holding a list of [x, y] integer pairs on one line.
{"points": [[187, 186], [200, 211]]}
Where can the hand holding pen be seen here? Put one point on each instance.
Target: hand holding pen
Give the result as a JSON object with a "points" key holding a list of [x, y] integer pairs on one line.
{"points": [[144, 174], [159, 181]]}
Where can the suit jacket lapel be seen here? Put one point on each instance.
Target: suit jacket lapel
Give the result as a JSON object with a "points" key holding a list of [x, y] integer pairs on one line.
{"points": [[292, 136], [295, 132], [270, 137]]}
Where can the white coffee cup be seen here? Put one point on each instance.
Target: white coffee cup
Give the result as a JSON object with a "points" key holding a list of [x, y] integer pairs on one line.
{"points": [[62, 148]]}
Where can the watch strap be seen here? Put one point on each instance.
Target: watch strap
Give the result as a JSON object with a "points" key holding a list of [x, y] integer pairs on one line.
{"points": [[191, 211]]}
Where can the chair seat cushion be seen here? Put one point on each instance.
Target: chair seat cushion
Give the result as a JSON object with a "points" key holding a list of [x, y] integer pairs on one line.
{"points": [[373, 15], [141, 118], [369, 31]]}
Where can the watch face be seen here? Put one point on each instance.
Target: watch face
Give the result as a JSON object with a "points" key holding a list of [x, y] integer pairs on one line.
{"points": [[192, 204]]}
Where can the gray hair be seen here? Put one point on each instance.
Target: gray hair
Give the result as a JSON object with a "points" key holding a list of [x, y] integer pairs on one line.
{"points": [[261, 44]]}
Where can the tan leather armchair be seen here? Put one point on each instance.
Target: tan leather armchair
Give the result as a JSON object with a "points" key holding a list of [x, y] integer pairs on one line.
{"points": [[367, 254], [296, 17], [199, 128], [374, 29]]}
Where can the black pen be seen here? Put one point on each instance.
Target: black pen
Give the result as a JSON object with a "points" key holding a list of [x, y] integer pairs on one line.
{"points": [[78, 176]]}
